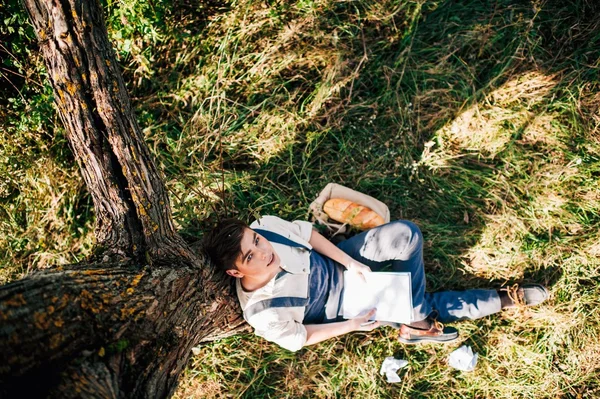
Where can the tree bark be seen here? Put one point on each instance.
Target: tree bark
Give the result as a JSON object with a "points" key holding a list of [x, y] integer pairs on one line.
{"points": [[121, 325], [139, 323], [131, 202]]}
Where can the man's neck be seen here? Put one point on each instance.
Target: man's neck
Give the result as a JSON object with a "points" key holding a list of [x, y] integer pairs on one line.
{"points": [[250, 284]]}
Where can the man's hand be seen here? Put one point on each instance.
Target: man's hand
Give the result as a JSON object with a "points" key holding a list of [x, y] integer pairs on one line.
{"points": [[320, 332], [358, 267], [325, 247], [362, 323]]}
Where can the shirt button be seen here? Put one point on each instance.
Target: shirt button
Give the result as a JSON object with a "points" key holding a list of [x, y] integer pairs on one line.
{"points": [[304, 270]]}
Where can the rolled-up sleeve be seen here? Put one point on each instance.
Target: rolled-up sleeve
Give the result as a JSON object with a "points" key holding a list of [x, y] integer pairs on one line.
{"points": [[305, 229], [299, 228], [287, 333]]}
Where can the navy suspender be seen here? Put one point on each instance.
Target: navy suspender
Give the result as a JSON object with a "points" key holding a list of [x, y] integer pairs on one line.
{"points": [[279, 239]]}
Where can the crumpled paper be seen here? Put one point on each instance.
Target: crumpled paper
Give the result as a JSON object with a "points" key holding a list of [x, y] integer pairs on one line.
{"points": [[390, 367], [463, 359]]}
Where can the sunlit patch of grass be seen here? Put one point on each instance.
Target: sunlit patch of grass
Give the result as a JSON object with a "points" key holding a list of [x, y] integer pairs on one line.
{"points": [[593, 248], [486, 131], [497, 253], [541, 131], [339, 367], [190, 389], [268, 135], [47, 223], [525, 90], [530, 169], [504, 117], [584, 362]]}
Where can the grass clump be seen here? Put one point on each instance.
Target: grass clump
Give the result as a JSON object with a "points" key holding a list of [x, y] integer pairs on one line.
{"points": [[478, 120], [46, 215]]}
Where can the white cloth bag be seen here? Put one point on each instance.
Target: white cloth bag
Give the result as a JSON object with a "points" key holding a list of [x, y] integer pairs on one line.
{"points": [[333, 190]]}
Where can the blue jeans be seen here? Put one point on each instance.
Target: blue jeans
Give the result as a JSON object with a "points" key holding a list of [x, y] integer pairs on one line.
{"points": [[401, 244]]}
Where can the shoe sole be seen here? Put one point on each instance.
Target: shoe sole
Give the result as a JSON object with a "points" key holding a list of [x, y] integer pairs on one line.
{"points": [[426, 340]]}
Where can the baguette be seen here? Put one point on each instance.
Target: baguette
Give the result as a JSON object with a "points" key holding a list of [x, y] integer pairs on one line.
{"points": [[346, 211]]}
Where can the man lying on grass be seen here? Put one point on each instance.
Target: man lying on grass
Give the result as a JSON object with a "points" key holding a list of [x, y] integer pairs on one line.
{"points": [[290, 279]]}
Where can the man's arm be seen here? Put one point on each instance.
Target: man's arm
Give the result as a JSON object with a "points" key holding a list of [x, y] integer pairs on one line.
{"points": [[320, 332], [323, 246]]}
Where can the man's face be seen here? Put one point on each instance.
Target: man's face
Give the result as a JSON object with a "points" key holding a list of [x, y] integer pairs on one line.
{"points": [[258, 258]]}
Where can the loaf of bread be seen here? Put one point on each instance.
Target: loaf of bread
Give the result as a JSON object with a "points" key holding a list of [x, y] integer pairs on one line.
{"points": [[346, 211]]}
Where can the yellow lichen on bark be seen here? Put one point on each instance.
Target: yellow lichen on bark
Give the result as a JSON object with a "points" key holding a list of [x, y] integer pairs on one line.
{"points": [[106, 299], [133, 153], [64, 300], [40, 320], [4, 316], [94, 271], [71, 88], [17, 300], [55, 341], [136, 280], [88, 303], [127, 312], [142, 210], [14, 338]]}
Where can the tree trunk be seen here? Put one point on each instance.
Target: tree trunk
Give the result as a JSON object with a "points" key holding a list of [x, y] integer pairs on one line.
{"points": [[131, 202], [122, 324], [138, 324]]}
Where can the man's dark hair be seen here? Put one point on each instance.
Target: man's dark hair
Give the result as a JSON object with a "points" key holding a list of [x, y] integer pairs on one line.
{"points": [[224, 243]]}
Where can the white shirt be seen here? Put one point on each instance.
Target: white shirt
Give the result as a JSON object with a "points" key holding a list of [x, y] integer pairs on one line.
{"points": [[282, 325]]}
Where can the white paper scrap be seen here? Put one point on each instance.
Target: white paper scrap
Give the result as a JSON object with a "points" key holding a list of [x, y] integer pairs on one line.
{"points": [[463, 359], [390, 367]]}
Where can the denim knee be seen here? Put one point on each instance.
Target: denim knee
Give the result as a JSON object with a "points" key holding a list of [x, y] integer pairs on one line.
{"points": [[409, 228]]}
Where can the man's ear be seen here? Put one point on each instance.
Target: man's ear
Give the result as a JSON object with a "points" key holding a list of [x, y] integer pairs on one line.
{"points": [[234, 273]]}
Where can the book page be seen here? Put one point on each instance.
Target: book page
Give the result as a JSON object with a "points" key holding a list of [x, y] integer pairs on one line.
{"points": [[388, 292]]}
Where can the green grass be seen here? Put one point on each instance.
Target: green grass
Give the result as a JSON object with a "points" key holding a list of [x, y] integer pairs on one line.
{"points": [[478, 120]]}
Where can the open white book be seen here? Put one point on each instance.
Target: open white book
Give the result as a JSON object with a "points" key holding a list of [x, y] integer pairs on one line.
{"points": [[388, 292]]}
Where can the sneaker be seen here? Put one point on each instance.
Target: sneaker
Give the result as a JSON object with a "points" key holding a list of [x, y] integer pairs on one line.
{"points": [[526, 294], [437, 333]]}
